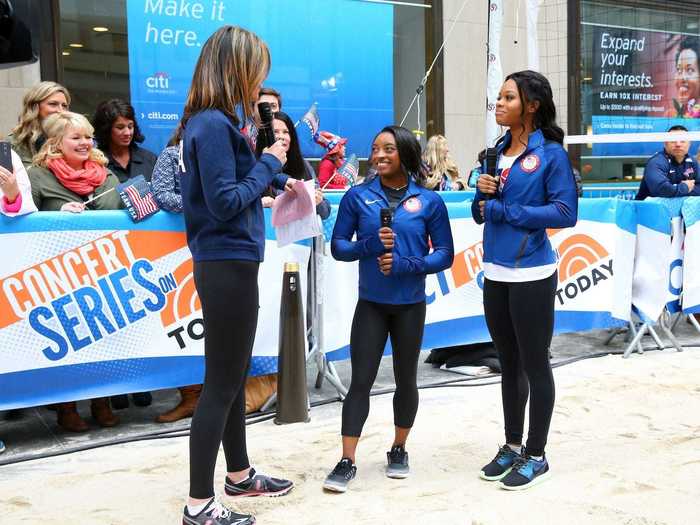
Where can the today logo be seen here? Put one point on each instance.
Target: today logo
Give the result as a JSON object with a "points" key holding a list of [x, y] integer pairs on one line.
{"points": [[182, 305], [581, 263]]}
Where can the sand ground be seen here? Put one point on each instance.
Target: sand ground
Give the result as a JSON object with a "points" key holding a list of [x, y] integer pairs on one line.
{"points": [[624, 448]]}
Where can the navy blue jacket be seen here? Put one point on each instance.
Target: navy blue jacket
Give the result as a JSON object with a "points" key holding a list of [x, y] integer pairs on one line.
{"points": [[663, 177], [540, 193], [221, 184], [420, 220]]}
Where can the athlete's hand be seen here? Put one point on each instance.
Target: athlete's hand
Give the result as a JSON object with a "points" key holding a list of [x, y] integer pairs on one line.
{"points": [[319, 196], [386, 235], [690, 183], [487, 184], [267, 202], [277, 150], [385, 261]]}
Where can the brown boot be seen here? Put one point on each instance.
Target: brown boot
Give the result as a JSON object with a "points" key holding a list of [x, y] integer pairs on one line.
{"points": [[190, 396], [68, 418], [102, 412]]}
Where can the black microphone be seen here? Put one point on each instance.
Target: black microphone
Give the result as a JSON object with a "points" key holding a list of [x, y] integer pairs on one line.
{"points": [[491, 164], [386, 216], [266, 133]]}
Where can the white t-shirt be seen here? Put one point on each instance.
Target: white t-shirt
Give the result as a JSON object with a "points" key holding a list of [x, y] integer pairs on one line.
{"points": [[496, 272]]}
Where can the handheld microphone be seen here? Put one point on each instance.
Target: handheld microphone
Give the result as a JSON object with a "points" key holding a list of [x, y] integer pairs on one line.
{"points": [[491, 164], [386, 216], [267, 134]]}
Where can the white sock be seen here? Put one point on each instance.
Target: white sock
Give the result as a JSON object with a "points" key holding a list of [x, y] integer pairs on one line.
{"points": [[193, 510], [538, 458], [518, 449]]}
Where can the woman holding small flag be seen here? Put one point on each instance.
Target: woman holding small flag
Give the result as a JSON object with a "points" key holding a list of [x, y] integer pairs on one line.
{"points": [[69, 174], [328, 176], [390, 225], [221, 183]]}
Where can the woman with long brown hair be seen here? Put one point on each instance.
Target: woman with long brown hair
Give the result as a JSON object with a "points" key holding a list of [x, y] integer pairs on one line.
{"points": [[40, 102], [221, 183]]}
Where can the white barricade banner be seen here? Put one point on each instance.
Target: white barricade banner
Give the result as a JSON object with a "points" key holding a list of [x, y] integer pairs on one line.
{"points": [[595, 279], [691, 279], [650, 288], [94, 304]]}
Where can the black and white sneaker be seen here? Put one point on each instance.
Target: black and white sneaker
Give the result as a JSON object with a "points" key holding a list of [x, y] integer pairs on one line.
{"points": [[258, 484], [397, 459], [216, 513], [343, 473]]}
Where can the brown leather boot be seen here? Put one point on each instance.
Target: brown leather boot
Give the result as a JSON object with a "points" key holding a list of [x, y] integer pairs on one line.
{"points": [[190, 396], [102, 412], [68, 418]]}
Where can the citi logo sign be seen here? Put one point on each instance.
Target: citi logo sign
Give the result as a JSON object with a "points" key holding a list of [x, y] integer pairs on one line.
{"points": [[158, 80], [582, 266]]}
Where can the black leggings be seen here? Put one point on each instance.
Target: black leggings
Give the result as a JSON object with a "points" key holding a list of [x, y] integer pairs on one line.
{"points": [[520, 318], [228, 291], [372, 323]]}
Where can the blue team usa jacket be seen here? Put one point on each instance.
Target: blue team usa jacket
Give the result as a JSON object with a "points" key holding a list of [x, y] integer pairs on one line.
{"points": [[221, 183], [663, 177], [539, 193], [420, 220]]}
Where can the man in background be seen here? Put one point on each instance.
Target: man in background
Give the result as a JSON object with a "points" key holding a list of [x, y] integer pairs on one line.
{"points": [[671, 172]]}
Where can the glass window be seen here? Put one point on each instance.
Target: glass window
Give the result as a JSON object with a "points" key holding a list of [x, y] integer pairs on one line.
{"points": [[639, 74], [359, 61]]}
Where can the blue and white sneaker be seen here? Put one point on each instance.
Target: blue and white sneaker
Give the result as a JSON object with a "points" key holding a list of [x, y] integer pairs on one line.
{"points": [[525, 473], [500, 465]]}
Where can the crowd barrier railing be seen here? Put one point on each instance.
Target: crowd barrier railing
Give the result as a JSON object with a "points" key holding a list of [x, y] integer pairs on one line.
{"points": [[94, 304]]}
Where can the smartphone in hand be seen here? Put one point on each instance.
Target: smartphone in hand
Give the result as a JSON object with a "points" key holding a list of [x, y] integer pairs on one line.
{"points": [[6, 156]]}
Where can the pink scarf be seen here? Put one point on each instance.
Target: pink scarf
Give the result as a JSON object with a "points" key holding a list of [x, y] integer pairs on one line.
{"points": [[82, 182]]}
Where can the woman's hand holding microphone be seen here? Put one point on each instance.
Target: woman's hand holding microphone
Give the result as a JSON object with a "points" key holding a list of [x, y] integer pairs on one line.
{"points": [[487, 185], [277, 151], [386, 235]]}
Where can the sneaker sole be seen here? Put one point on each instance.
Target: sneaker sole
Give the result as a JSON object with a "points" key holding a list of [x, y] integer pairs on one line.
{"points": [[277, 494], [539, 479], [495, 478], [335, 488], [397, 475], [250, 521]]}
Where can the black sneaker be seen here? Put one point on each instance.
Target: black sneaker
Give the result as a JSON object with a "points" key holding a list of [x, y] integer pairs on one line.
{"points": [[501, 465], [343, 473], [397, 459], [216, 514], [258, 484], [526, 472]]}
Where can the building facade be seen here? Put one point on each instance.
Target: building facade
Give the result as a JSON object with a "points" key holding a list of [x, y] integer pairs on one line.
{"points": [[613, 65]]}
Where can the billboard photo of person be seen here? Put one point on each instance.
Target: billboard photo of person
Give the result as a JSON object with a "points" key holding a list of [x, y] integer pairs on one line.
{"points": [[686, 100]]}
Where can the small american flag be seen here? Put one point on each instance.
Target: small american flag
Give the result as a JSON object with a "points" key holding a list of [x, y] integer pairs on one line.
{"points": [[312, 119], [138, 198], [350, 169]]}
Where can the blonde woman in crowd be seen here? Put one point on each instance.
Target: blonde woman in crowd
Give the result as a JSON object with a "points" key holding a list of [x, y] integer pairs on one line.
{"points": [[443, 172], [41, 101]]}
